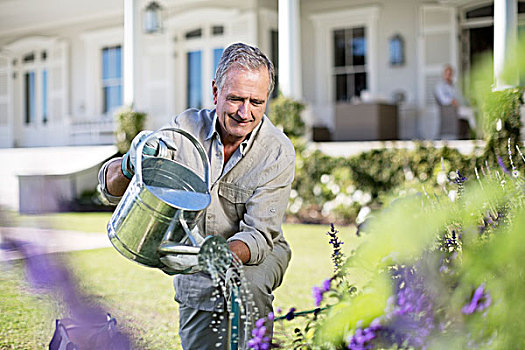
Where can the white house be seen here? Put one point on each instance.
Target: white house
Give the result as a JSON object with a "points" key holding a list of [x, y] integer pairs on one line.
{"points": [[61, 62]]}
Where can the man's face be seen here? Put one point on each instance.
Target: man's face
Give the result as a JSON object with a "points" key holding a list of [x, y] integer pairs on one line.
{"points": [[241, 102], [448, 74]]}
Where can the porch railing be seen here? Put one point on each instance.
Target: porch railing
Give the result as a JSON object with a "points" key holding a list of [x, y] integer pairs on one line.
{"points": [[92, 132]]}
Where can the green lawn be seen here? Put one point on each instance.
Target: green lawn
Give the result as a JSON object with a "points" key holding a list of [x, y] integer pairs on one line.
{"points": [[86, 222], [141, 298]]}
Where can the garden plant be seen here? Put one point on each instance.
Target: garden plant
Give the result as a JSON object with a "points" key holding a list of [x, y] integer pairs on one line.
{"points": [[443, 257]]}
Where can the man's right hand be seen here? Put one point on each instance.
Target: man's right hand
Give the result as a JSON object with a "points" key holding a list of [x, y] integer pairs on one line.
{"points": [[155, 147], [129, 160]]}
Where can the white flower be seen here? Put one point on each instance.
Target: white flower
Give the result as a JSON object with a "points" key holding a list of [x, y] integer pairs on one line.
{"points": [[328, 207], [293, 194], [350, 189], [334, 188], [452, 195], [423, 176], [294, 208], [365, 199], [317, 190], [296, 205], [409, 175], [357, 195], [325, 178], [499, 125], [347, 201], [340, 198], [441, 178], [363, 213]]}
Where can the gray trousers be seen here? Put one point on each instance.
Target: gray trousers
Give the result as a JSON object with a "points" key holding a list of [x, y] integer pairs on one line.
{"points": [[201, 329]]}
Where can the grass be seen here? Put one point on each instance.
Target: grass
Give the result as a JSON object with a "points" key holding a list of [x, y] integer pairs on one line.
{"points": [[86, 222], [140, 298]]}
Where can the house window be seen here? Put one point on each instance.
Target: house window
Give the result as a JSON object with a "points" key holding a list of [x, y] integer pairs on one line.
{"points": [[217, 54], [274, 44], [194, 79], [111, 78], [217, 30], [44, 96], [193, 34], [350, 60], [30, 97], [201, 52]]}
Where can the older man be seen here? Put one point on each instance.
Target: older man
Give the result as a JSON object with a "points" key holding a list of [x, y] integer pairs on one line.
{"points": [[455, 117], [252, 168]]}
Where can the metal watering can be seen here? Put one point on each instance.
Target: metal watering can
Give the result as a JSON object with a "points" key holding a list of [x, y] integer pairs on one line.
{"points": [[160, 208]]}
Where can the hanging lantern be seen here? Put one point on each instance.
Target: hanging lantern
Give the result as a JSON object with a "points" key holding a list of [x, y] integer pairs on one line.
{"points": [[153, 18]]}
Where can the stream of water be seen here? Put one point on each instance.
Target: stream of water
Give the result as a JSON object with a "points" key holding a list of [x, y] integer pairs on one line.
{"points": [[231, 286]]}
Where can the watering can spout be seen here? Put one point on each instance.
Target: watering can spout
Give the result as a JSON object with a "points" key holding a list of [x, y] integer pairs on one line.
{"points": [[214, 252]]}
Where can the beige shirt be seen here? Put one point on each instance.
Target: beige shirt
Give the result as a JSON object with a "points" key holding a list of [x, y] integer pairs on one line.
{"points": [[249, 194]]}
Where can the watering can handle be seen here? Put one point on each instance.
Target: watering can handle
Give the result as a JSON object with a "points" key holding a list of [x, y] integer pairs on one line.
{"points": [[190, 137]]}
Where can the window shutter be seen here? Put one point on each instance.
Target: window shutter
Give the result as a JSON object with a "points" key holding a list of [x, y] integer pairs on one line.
{"points": [[156, 84], [437, 47], [58, 83], [6, 89]]}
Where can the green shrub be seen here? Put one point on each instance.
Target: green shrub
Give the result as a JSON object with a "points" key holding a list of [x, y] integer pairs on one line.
{"points": [[502, 125], [336, 189], [500, 115], [285, 113], [129, 124]]}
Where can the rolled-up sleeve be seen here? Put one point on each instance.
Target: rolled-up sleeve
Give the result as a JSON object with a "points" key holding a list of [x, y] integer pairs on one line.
{"points": [[265, 209], [102, 188]]}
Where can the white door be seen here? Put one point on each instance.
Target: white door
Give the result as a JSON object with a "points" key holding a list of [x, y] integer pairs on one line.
{"points": [[438, 45]]}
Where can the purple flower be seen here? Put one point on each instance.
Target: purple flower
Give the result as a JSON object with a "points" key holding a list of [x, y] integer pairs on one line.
{"points": [[47, 274], [337, 255], [502, 165], [361, 339], [259, 323], [412, 317], [317, 294], [481, 300], [326, 284], [459, 178], [260, 341]]}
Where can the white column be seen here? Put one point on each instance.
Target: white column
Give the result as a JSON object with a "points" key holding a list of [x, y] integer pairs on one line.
{"points": [[130, 49], [290, 49], [505, 38]]}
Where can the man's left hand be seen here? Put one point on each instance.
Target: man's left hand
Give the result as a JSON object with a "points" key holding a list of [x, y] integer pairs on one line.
{"points": [[241, 250], [180, 264]]}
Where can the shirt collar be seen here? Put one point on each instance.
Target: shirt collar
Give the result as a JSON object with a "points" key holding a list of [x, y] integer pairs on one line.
{"points": [[246, 143]]}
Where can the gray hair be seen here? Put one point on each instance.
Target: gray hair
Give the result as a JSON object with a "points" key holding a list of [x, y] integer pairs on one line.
{"points": [[246, 56]]}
